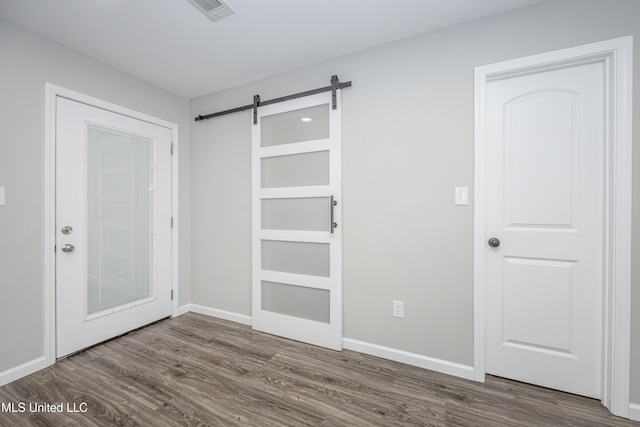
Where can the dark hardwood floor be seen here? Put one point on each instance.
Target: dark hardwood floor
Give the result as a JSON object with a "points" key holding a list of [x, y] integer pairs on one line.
{"points": [[194, 370]]}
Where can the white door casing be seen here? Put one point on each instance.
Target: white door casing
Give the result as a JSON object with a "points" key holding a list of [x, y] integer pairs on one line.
{"points": [[81, 322], [297, 255], [544, 245]]}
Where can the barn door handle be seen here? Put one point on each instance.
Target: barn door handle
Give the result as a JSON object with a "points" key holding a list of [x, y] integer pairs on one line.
{"points": [[333, 224], [494, 242]]}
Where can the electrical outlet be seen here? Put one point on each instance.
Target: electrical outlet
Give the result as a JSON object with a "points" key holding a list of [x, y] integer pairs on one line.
{"points": [[398, 309]]}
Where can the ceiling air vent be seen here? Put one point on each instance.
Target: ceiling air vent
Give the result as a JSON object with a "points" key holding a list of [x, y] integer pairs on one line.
{"points": [[212, 9]]}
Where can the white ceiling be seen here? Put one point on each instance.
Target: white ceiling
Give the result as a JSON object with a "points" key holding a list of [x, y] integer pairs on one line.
{"points": [[172, 45]]}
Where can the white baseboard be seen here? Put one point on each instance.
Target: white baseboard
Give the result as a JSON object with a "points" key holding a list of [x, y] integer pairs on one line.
{"points": [[183, 309], [221, 314], [634, 412], [433, 364], [23, 370], [430, 363]]}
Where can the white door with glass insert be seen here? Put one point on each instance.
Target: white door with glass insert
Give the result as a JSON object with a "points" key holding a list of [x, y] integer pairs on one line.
{"points": [[297, 221], [113, 224], [545, 140]]}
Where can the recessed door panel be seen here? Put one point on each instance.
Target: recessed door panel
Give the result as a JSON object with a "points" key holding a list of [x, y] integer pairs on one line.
{"points": [[540, 131], [538, 297]]}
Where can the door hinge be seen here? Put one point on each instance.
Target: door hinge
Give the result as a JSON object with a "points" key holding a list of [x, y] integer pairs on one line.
{"points": [[171, 222], [172, 145], [171, 294]]}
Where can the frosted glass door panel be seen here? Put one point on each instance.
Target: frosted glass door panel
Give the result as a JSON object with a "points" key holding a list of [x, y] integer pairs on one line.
{"points": [[295, 170], [306, 124], [300, 214], [311, 259], [119, 218], [296, 301]]}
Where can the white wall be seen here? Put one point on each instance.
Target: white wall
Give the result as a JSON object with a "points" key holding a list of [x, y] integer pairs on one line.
{"points": [[27, 61], [408, 141]]}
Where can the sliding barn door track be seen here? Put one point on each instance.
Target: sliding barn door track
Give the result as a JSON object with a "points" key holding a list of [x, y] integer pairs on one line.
{"points": [[335, 85]]}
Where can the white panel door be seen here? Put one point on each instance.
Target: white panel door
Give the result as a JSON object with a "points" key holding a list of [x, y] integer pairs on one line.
{"points": [[113, 224], [544, 187], [297, 227]]}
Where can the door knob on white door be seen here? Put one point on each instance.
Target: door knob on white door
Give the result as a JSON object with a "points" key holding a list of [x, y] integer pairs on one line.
{"points": [[494, 242], [68, 248]]}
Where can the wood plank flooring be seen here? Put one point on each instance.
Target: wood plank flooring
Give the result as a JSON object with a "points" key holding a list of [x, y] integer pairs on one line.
{"points": [[199, 371]]}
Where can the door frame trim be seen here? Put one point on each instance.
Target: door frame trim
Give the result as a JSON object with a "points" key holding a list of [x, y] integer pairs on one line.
{"points": [[617, 56], [49, 302]]}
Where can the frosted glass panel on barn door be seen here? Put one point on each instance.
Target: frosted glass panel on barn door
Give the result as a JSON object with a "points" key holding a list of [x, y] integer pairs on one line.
{"points": [[297, 229]]}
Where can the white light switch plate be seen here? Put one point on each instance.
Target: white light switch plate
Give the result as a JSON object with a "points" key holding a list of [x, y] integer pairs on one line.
{"points": [[462, 196], [398, 309], [1, 196]]}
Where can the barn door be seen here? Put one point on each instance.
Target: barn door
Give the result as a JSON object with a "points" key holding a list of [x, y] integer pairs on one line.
{"points": [[297, 227]]}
